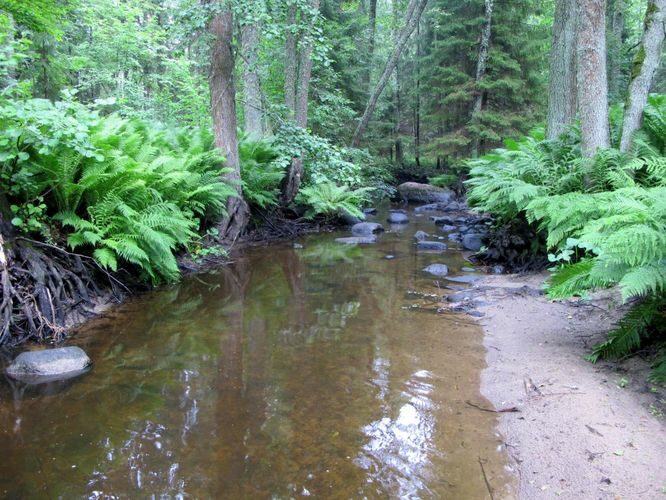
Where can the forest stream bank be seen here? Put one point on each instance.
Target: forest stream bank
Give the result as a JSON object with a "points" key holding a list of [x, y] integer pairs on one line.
{"points": [[582, 430]]}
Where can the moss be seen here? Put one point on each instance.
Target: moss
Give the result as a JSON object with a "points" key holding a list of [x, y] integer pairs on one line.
{"points": [[639, 59]]}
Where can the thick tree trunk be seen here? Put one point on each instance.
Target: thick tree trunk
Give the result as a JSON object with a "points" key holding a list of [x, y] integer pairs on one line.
{"points": [[252, 107], [592, 77], [615, 39], [642, 73], [484, 46], [562, 86], [417, 104], [412, 16], [290, 61], [223, 95], [294, 176]]}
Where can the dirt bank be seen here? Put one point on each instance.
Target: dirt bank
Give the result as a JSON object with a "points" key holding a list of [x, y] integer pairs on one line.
{"points": [[583, 431]]}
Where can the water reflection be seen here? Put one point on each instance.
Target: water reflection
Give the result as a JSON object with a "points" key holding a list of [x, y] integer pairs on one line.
{"points": [[290, 373]]}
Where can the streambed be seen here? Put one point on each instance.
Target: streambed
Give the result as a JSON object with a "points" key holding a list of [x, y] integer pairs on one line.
{"points": [[291, 372]]}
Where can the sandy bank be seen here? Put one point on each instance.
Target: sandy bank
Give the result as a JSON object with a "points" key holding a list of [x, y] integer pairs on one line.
{"points": [[583, 431]]}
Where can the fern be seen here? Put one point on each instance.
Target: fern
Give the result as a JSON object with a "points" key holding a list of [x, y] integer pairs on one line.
{"points": [[261, 173], [329, 200]]}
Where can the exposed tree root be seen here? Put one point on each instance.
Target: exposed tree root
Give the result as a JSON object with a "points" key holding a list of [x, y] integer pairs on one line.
{"points": [[42, 286]]}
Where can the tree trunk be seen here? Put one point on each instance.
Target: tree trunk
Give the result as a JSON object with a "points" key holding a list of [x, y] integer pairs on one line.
{"points": [[223, 95], [562, 86], [412, 16], [615, 40], [372, 30], [592, 77], [290, 61], [252, 104], [645, 65], [417, 104], [484, 45], [294, 176]]}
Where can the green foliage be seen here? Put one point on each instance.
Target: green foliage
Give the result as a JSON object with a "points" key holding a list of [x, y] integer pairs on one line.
{"points": [[443, 180], [128, 190], [261, 172], [604, 217], [329, 200]]}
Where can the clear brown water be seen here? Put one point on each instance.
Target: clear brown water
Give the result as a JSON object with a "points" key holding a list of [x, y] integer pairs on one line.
{"points": [[289, 373]]}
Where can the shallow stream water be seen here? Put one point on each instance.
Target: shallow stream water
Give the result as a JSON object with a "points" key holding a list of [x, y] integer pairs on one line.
{"points": [[290, 373]]}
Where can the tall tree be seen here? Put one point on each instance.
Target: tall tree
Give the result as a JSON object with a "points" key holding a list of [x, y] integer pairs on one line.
{"points": [[482, 61], [372, 31], [562, 87], [290, 61], [412, 16], [252, 104], [615, 34], [223, 103], [295, 174], [592, 76], [645, 64]]}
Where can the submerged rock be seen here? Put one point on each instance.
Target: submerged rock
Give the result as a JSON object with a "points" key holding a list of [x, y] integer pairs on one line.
{"points": [[442, 220], [396, 217], [349, 219], [420, 235], [448, 228], [367, 228], [357, 240], [425, 193], [464, 279], [370, 211], [49, 364], [432, 245], [437, 269], [431, 207]]}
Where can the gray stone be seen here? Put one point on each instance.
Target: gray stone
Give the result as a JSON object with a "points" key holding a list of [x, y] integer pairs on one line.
{"points": [[448, 228], [442, 220], [49, 364], [367, 228], [498, 269], [397, 218], [370, 211], [437, 270], [425, 193], [349, 219], [472, 241], [297, 246], [420, 235], [431, 207], [357, 240], [432, 245], [455, 236], [467, 269], [389, 256], [458, 297]]}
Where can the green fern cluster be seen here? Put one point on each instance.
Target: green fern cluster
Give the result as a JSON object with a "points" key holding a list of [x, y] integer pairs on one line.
{"points": [[261, 172], [141, 196], [329, 200], [605, 217]]}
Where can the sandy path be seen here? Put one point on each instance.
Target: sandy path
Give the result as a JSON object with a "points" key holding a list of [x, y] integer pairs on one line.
{"points": [[578, 433]]}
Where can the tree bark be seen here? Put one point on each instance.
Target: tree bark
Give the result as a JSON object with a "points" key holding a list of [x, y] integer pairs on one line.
{"points": [[562, 86], [295, 174], [252, 106], [481, 64], [642, 73], [615, 38], [592, 77], [412, 16], [223, 97], [290, 62], [372, 30]]}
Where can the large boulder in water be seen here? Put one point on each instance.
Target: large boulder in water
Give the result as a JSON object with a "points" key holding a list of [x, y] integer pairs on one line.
{"points": [[367, 228], [425, 193], [49, 364]]}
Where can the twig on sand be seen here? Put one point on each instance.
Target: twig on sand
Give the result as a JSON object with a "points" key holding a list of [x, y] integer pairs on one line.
{"points": [[513, 409], [485, 478]]}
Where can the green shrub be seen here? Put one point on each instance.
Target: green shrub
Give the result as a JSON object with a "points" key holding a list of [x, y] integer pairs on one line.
{"points": [[261, 172]]}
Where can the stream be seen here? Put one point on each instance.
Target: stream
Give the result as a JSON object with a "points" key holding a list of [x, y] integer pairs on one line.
{"points": [[289, 373]]}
